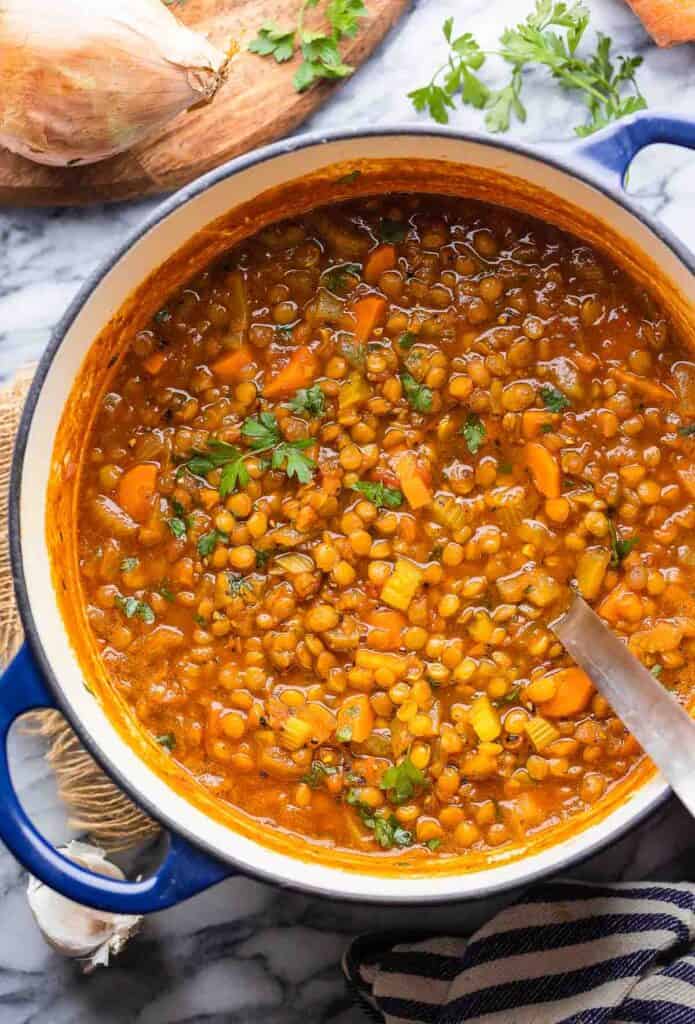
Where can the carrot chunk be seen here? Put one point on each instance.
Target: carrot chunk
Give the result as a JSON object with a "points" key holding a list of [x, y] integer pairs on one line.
{"points": [[533, 420], [412, 481], [368, 312], [380, 259], [573, 693], [136, 489], [544, 469], [355, 719], [231, 365], [298, 373], [647, 388], [386, 630], [154, 363]]}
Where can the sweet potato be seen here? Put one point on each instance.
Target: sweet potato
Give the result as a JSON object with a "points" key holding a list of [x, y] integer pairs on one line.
{"points": [[136, 489]]}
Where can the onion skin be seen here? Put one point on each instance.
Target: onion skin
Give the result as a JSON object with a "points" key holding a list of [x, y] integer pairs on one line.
{"points": [[82, 80]]}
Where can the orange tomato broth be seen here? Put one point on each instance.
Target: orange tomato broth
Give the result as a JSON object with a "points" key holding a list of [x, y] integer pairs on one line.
{"points": [[484, 848]]}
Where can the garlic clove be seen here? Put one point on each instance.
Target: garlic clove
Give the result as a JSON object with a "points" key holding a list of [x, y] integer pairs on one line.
{"points": [[82, 80], [78, 932]]}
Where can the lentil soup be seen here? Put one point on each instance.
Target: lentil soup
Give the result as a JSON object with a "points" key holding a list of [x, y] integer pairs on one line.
{"points": [[338, 488]]}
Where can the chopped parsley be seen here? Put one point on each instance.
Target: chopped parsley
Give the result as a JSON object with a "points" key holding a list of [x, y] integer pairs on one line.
{"points": [[236, 584], [656, 670], [219, 455], [129, 564], [166, 592], [263, 433], [433, 844], [620, 547], [262, 558], [162, 316], [407, 340], [474, 433], [309, 401], [401, 780], [344, 734], [319, 770], [379, 494], [132, 608], [209, 541], [177, 526], [336, 278], [167, 739], [688, 431], [554, 400], [418, 395], [388, 832], [547, 428], [392, 230]]}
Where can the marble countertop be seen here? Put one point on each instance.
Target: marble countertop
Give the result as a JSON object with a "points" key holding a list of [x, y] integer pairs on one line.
{"points": [[243, 951]]}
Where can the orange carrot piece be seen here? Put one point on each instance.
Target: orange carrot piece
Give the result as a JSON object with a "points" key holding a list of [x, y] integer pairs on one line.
{"points": [[648, 388], [544, 469], [609, 608], [298, 373], [532, 420], [412, 481], [574, 691], [387, 627], [136, 489], [668, 23], [154, 363], [380, 259], [355, 719], [229, 367], [368, 312], [586, 363]]}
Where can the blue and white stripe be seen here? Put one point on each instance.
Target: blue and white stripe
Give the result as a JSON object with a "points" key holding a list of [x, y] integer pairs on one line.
{"points": [[566, 953]]}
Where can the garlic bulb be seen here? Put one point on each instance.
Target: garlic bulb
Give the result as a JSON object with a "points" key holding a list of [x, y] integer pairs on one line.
{"points": [[81, 80], [75, 931]]}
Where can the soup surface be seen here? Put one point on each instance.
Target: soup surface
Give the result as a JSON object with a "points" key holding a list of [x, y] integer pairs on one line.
{"points": [[339, 487]]}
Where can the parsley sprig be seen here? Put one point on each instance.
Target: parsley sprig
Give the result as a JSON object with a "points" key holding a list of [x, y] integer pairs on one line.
{"points": [[474, 433], [308, 401], [379, 494], [550, 37], [388, 832], [554, 400], [321, 53], [620, 547], [418, 395], [401, 781]]}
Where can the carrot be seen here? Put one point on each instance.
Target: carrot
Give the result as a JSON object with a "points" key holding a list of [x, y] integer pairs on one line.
{"points": [[136, 489], [385, 634], [647, 388], [154, 363], [230, 366], [544, 469], [586, 363], [533, 420], [368, 312], [355, 719], [609, 608], [412, 481], [298, 373], [380, 259], [573, 693]]}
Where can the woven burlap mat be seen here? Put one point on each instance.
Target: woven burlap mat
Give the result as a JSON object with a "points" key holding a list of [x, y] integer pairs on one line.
{"points": [[97, 808]]}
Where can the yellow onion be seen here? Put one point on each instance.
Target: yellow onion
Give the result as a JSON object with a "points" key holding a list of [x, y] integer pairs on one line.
{"points": [[81, 80]]}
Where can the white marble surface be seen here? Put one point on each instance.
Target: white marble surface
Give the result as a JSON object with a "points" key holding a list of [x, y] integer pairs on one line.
{"points": [[244, 951]]}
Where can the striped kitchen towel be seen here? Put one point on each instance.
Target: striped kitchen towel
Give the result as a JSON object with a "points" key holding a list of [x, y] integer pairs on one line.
{"points": [[565, 953]]}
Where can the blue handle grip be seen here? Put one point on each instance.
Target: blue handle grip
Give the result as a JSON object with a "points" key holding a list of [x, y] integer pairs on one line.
{"points": [[614, 147], [185, 870]]}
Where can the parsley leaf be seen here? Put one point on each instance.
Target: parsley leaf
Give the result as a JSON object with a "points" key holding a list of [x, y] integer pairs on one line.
{"points": [[388, 832], [219, 454], [236, 584], [133, 608], [379, 494], [308, 400], [129, 564], [407, 340], [401, 780], [474, 433], [548, 38], [418, 395], [554, 400], [336, 278], [433, 844], [656, 670], [392, 230], [344, 734], [272, 40], [620, 548], [688, 431], [319, 770], [209, 541], [262, 431], [177, 526], [167, 740], [290, 457]]}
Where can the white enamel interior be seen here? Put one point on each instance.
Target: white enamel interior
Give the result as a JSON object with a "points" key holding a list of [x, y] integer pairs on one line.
{"points": [[145, 255]]}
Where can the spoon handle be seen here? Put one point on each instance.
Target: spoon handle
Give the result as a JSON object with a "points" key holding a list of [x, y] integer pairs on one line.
{"points": [[660, 725]]}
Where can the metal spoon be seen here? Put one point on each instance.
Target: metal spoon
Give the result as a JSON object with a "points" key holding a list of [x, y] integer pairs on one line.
{"points": [[663, 729]]}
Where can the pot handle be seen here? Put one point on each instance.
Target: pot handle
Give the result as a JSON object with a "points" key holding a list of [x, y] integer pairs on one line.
{"points": [[184, 871], [614, 148]]}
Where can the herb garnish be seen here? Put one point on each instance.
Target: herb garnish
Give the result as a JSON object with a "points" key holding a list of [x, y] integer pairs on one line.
{"points": [[401, 780], [167, 740], [132, 608], [388, 832], [166, 592], [549, 37], [656, 670], [474, 433], [318, 771], [407, 340], [335, 278], [236, 584], [264, 435], [392, 230], [379, 494], [688, 431], [418, 395], [320, 50], [554, 400], [129, 564], [308, 400], [209, 541], [620, 548]]}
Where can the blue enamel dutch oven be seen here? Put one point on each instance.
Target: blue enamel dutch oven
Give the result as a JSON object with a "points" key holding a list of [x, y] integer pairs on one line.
{"points": [[582, 186]]}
